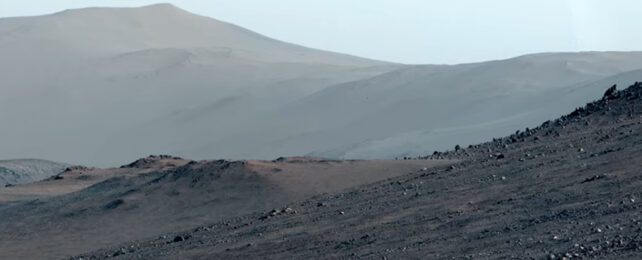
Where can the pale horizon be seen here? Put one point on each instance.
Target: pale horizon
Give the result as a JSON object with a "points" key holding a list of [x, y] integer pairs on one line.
{"points": [[417, 32], [289, 129]]}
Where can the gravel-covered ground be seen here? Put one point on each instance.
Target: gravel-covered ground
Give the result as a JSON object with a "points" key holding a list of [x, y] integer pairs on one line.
{"points": [[568, 189]]}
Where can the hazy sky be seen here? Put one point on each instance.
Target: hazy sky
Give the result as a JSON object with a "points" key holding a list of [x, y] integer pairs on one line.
{"points": [[412, 31]]}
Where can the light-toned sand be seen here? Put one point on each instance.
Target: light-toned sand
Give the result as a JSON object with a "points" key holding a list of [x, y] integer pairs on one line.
{"points": [[308, 175]]}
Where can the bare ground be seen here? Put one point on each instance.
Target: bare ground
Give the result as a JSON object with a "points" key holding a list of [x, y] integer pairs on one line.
{"points": [[570, 188], [85, 209]]}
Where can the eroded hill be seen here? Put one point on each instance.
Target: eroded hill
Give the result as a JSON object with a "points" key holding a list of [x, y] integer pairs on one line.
{"points": [[569, 188], [84, 209], [14, 172]]}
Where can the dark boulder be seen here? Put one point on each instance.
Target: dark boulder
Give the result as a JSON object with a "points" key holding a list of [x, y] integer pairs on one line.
{"points": [[610, 92]]}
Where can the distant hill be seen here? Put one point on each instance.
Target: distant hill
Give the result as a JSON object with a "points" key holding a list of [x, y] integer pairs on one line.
{"points": [[22, 171], [568, 188], [93, 75], [86, 209], [564, 186], [99, 86], [417, 110]]}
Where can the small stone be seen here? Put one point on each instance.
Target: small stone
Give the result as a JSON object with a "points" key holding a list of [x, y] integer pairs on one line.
{"points": [[289, 210], [122, 251]]}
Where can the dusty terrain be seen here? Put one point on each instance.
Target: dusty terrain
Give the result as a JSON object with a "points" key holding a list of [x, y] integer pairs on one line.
{"points": [[570, 188], [74, 178], [200, 88], [27, 170], [101, 86], [84, 209]]}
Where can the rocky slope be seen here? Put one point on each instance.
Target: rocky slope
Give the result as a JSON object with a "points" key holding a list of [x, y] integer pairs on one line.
{"points": [[14, 172], [569, 188], [84, 209]]}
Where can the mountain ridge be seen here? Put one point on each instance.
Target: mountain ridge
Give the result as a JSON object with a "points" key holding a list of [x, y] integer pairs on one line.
{"points": [[23, 171], [152, 65], [200, 88], [192, 30], [567, 187]]}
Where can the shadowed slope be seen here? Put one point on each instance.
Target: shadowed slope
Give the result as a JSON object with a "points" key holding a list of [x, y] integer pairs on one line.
{"points": [[88, 208], [568, 187]]}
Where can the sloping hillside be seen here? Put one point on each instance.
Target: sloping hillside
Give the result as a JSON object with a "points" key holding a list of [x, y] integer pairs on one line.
{"points": [[97, 76], [419, 109], [98, 86], [14, 172], [569, 188], [85, 209]]}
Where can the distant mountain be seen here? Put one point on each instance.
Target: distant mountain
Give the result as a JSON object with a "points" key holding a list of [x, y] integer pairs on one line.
{"points": [[101, 32], [74, 80], [416, 110], [27, 170], [562, 175], [99, 86], [565, 189]]}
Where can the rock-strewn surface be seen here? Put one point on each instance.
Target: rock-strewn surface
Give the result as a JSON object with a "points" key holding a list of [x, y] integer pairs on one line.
{"points": [[570, 188], [85, 209]]}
